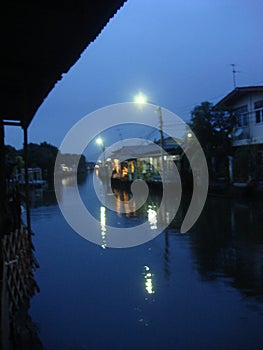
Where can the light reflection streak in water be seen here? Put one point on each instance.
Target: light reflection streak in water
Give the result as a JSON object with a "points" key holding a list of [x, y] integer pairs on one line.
{"points": [[152, 217], [148, 276], [122, 201], [103, 226]]}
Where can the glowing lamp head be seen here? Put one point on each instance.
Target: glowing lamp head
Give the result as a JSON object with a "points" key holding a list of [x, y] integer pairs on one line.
{"points": [[99, 141], [140, 98]]}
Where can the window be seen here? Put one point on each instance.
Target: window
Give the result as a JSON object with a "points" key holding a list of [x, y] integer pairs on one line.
{"points": [[258, 106], [241, 114]]}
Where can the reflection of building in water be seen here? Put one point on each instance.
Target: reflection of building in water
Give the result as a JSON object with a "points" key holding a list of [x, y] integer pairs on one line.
{"points": [[39, 197], [67, 181], [118, 202], [157, 215], [123, 200], [166, 255], [103, 226], [148, 276], [230, 243], [36, 197], [126, 203], [62, 184]]}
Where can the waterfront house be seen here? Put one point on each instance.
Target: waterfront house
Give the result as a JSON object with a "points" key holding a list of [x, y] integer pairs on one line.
{"points": [[145, 161], [35, 179], [245, 104]]}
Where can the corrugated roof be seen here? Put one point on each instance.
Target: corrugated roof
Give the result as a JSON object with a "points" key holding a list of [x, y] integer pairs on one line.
{"points": [[41, 40], [138, 151]]}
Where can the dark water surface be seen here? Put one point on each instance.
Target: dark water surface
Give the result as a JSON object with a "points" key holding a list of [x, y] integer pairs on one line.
{"points": [[200, 290]]}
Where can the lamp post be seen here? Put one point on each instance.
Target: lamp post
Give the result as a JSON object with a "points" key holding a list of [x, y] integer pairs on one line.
{"points": [[101, 143], [142, 99], [103, 171]]}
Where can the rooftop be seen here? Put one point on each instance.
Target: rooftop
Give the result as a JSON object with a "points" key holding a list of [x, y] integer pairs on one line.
{"points": [[236, 94], [40, 41]]}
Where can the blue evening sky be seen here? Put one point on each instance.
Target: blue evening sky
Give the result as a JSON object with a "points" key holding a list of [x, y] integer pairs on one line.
{"points": [[177, 52]]}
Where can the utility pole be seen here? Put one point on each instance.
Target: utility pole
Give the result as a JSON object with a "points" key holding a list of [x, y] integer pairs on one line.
{"points": [[159, 110], [142, 99], [27, 199], [234, 71]]}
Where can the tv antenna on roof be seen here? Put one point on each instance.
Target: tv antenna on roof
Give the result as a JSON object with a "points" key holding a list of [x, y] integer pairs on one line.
{"points": [[234, 71]]}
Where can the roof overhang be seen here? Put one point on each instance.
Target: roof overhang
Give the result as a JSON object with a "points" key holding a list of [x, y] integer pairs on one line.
{"points": [[235, 95], [40, 41]]}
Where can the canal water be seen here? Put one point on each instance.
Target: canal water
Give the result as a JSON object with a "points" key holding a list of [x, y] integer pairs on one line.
{"points": [[200, 290]]}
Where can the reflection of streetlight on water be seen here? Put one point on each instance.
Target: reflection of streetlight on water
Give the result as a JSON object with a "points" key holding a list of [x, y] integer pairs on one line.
{"points": [[148, 280]]}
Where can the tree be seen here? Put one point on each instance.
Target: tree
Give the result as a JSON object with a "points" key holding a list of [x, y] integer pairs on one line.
{"points": [[71, 161], [213, 129], [13, 161], [42, 156], [247, 163]]}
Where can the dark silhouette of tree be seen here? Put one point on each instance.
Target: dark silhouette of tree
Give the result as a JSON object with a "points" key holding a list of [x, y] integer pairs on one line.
{"points": [[213, 129], [42, 156], [13, 161]]}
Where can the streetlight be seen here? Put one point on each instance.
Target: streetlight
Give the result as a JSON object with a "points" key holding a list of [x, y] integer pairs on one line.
{"points": [[142, 99], [100, 142], [103, 171]]}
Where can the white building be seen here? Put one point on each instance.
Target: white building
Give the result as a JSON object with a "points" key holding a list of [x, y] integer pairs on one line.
{"points": [[246, 103]]}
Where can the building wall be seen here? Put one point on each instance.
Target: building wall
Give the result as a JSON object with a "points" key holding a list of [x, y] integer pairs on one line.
{"points": [[253, 132]]}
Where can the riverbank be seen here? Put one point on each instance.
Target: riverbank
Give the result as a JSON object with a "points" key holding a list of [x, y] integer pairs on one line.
{"points": [[220, 189]]}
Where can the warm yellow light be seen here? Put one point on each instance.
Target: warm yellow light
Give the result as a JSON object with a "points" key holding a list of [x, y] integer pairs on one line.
{"points": [[148, 281], [189, 135], [140, 98], [149, 286]]}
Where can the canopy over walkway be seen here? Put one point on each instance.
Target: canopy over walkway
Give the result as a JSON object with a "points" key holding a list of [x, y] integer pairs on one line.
{"points": [[41, 40]]}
